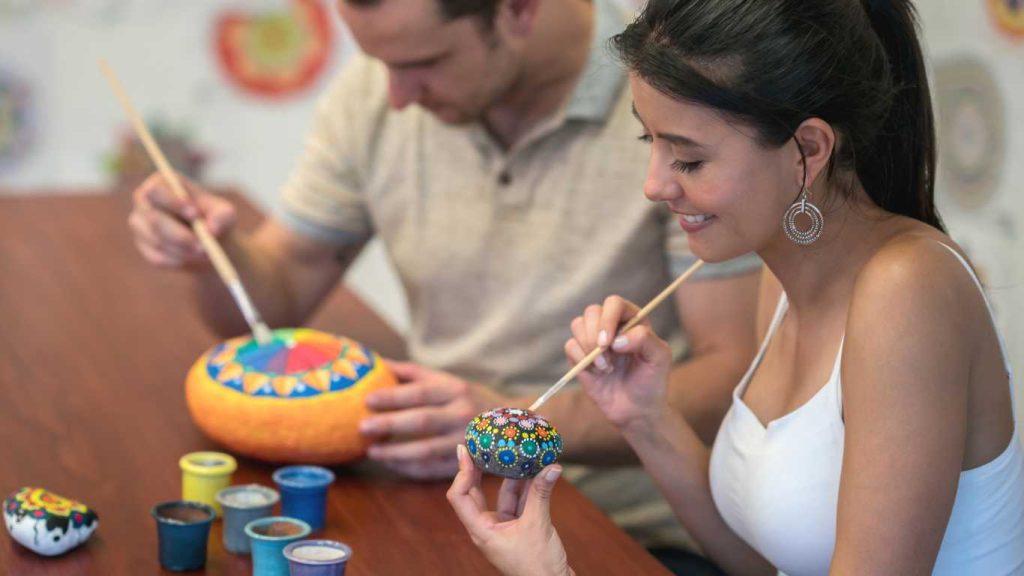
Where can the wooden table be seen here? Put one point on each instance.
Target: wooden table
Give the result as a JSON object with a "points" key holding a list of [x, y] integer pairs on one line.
{"points": [[94, 346]]}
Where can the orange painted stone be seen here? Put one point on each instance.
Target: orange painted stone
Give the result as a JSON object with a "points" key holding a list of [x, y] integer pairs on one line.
{"points": [[298, 399]]}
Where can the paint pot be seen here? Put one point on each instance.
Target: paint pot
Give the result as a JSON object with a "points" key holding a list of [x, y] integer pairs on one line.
{"points": [[267, 540], [304, 492], [317, 557], [203, 474], [239, 506], [182, 529]]}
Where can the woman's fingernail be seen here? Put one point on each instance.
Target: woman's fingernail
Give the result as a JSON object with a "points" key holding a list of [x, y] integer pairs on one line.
{"points": [[602, 338], [554, 473], [459, 451], [602, 364], [620, 343]]}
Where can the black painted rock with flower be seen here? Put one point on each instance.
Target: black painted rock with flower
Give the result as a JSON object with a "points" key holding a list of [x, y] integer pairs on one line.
{"points": [[46, 523], [512, 442]]}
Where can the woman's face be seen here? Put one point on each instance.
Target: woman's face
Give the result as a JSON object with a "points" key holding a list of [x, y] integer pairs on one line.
{"points": [[728, 191]]}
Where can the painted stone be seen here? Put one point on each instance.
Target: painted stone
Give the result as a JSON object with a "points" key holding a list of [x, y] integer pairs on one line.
{"points": [[512, 442], [299, 398], [17, 114], [46, 523]]}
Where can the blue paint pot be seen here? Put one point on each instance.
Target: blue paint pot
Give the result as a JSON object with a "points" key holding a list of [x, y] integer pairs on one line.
{"points": [[267, 539], [304, 492], [182, 529]]}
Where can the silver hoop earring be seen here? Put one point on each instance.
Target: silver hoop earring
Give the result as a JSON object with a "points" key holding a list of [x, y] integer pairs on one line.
{"points": [[804, 207]]}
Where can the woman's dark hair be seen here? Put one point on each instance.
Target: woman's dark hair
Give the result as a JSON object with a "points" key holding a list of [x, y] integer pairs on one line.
{"points": [[775, 63]]}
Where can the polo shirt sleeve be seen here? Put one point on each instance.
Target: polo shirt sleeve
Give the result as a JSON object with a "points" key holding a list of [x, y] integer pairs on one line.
{"points": [[680, 258], [324, 197]]}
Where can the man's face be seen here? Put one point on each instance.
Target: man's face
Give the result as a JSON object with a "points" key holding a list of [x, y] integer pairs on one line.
{"points": [[455, 69]]}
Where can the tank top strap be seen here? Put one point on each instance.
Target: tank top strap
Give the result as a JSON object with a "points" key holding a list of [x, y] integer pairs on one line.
{"points": [[780, 313], [988, 305]]}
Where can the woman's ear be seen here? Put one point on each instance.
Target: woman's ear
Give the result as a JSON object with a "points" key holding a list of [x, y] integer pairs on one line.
{"points": [[817, 139]]}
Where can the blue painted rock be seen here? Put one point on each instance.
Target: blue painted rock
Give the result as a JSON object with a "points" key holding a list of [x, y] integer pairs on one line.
{"points": [[512, 442], [46, 523]]}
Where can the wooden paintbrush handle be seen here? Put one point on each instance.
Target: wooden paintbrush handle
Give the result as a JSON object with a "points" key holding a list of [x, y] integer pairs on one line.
{"points": [[632, 323]]}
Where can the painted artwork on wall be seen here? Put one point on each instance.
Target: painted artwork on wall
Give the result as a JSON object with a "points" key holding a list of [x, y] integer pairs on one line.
{"points": [[129, 164], [275, 54], [972, 130], [1008, 16], [16, 132]]}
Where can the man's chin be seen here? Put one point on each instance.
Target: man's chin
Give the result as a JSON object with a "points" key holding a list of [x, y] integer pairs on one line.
{"points": [[450, 115]]}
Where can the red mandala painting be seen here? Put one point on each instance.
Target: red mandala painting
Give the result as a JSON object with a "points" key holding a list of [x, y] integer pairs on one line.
{"points": [[275, 54], [1009, 16]]}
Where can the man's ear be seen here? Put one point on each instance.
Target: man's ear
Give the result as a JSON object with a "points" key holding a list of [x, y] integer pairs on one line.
{"points": [[517, 17]]}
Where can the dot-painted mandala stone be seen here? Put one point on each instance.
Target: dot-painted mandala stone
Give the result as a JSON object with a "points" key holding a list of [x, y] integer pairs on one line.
{"points": [[46, 523], [512, 442], [299, 398]]}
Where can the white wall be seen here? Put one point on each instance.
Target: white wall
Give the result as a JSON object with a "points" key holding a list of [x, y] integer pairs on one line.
{"points": [[994, 231], [162, 51]]}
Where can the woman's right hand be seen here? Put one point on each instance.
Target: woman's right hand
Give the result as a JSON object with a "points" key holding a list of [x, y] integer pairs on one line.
{"points": [[160, 222], [628, 380]]}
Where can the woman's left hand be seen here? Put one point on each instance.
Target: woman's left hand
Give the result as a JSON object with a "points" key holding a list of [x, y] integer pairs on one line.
{"points": [[518, 537]]}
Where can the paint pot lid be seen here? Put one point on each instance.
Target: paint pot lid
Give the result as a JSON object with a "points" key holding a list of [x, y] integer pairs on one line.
{"points": [[277, 528], [208, 463], [245, 496], [303, 477], [183, 513], [318, 552]]}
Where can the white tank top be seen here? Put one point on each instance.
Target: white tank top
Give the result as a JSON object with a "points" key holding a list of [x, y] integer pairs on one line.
{"points": [[777, 487]]}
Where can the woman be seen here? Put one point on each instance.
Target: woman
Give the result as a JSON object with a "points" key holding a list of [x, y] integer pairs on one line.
{"points": [[873, 433]]}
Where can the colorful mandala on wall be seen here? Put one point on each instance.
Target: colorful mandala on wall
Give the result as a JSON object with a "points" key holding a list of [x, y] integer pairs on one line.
{"points": [[1008, 16], [15, 119], [275, 54], [971, 129]]}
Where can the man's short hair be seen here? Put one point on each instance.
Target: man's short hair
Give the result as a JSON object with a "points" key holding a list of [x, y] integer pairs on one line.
{"points": [[452, 9]]}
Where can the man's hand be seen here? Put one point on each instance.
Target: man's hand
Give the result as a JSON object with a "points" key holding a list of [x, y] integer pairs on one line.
{"points": [[421, 421], [160, 222]]}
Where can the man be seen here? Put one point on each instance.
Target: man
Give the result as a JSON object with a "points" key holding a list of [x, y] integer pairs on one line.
{"points": [[490, 145]]}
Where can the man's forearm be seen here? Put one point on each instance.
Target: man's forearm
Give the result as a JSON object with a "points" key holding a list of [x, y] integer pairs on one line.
{"points": [[286, 276], [266, 290], [699, 388]]}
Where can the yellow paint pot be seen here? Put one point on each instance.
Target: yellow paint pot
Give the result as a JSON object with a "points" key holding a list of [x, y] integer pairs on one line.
{"points": [[203, 474]]}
